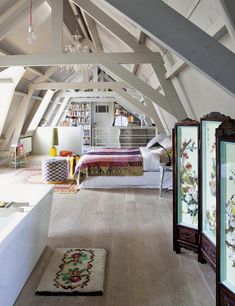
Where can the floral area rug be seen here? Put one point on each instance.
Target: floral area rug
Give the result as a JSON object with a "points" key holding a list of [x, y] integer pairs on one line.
{"points": [[73, 271], [34, 176]]}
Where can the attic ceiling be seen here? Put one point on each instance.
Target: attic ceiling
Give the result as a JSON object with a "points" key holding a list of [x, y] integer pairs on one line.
{"points": [[106, 27]]}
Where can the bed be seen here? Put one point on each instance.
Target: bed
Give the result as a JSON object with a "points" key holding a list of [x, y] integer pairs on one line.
{"points": [[122, 168]]}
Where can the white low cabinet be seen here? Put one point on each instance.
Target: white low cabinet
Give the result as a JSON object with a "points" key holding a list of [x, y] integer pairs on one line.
{"points": [[23, 236]]}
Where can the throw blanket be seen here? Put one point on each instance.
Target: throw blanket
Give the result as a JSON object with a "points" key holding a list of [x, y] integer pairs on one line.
{"points": [[115, 162]]}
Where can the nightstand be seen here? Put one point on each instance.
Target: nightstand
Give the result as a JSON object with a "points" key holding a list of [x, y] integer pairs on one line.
{"points": [[163, 169]]}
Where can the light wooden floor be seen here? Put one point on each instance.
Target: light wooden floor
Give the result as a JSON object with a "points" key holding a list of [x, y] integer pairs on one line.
{"points": [[135, 226]]}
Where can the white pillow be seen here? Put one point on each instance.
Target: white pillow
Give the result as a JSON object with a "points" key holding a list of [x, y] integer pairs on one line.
{"points": [[155, 139], [151, 159]]}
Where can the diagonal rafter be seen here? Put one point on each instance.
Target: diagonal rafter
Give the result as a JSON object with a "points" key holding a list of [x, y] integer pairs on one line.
{"points": [[121, 33]]}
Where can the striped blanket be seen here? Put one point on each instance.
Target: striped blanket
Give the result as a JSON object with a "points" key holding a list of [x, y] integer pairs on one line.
{"points": [[115, 162]]}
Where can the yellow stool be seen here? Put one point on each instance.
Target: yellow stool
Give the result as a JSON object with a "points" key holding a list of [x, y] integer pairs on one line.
{"points": [[17, 155]]}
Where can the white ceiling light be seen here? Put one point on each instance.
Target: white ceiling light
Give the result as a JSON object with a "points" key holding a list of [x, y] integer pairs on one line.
{"points": [[31, 35]]}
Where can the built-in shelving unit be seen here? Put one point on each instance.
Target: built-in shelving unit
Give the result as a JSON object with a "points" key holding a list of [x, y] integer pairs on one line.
{"points": [[79, 114]]}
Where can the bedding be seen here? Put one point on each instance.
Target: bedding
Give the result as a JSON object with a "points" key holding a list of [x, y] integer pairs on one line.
{"points": [[110, 162]]}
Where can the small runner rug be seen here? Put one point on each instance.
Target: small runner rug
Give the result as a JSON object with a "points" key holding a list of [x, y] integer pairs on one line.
{"points": [[74, 271], [34, 176]]}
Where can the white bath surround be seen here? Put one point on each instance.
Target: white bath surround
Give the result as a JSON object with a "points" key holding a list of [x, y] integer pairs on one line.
{"points": [[23, 236]]}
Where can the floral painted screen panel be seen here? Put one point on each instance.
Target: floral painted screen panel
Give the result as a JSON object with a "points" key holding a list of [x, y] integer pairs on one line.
{"points": [[209, 179], [227, 213], [187, 153]]}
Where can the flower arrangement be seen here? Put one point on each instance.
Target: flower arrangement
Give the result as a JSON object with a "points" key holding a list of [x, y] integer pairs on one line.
{"points": [[189, 180]]}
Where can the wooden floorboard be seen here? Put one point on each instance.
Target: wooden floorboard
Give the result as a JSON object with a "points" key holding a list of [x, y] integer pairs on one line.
{"points": [[135, 226]]}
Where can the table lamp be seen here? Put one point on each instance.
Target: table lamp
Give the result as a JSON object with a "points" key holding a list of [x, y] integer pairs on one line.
{"points": [[54, 142]]}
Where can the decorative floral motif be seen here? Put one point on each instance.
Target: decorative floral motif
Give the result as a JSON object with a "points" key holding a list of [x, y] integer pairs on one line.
{"points": [[189, 180], [230, 225], [211, 213], [212, 183], [74, 272]]}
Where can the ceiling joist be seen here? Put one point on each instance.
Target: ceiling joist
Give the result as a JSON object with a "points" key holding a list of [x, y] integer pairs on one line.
{"points": [[82, 58]]}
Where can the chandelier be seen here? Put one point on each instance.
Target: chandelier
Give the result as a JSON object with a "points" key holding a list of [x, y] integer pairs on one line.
{"points": [[135, 94], [77, 48]]}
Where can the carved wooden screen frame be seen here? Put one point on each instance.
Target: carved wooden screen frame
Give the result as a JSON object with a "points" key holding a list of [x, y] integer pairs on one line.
{"points": [[224, 134], [207, 250], [183, 236]]}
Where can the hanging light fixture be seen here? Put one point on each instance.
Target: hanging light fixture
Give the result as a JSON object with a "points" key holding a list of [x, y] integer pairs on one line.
{"points": [[76, 48], [31, 35]]}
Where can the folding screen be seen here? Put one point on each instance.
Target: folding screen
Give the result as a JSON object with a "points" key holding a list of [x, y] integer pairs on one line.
{"points": [[185, 181], [225, 225], [207, 186]]}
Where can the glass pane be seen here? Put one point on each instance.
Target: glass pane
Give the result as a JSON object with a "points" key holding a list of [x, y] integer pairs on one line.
{"points": [[187, 152], [227, 212], [209, 179]]}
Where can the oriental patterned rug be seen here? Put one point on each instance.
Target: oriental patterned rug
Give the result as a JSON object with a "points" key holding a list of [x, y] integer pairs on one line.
{"points": [[73, 271], [34, 176]]}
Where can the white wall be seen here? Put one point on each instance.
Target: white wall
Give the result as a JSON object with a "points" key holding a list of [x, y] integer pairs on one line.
{"points": [[70, 138]]}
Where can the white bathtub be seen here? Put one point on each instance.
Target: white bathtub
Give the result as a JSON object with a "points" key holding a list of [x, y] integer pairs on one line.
{"points": [[23, 236]]}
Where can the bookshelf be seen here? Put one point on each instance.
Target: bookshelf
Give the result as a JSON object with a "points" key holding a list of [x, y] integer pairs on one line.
{"points": [[79, 114]]}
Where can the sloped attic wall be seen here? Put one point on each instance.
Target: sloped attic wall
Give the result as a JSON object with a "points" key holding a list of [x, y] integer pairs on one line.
{"points": [[203, 94], [200, 95]]}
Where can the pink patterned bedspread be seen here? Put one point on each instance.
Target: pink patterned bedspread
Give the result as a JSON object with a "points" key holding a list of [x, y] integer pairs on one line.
{"points": [[110, 161]]}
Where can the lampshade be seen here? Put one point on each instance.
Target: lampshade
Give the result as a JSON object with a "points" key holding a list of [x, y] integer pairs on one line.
{"points": [[54, 139]]}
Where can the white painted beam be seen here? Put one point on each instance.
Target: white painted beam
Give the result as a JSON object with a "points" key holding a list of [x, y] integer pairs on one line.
{"points": [[141, 40], [12, 10], [145, 89], [15, 127], [57, 26], [175, 69], [82, 58], [140, 107], [155, 116], [20, 117], [72, 85], [228, 12], [169, 91], [60, 111], [79, 21], [92, 29], [7, 91], [41, 110], [50, 71], [23, 94], [192, 44], [110, 24], [173, 102]]}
